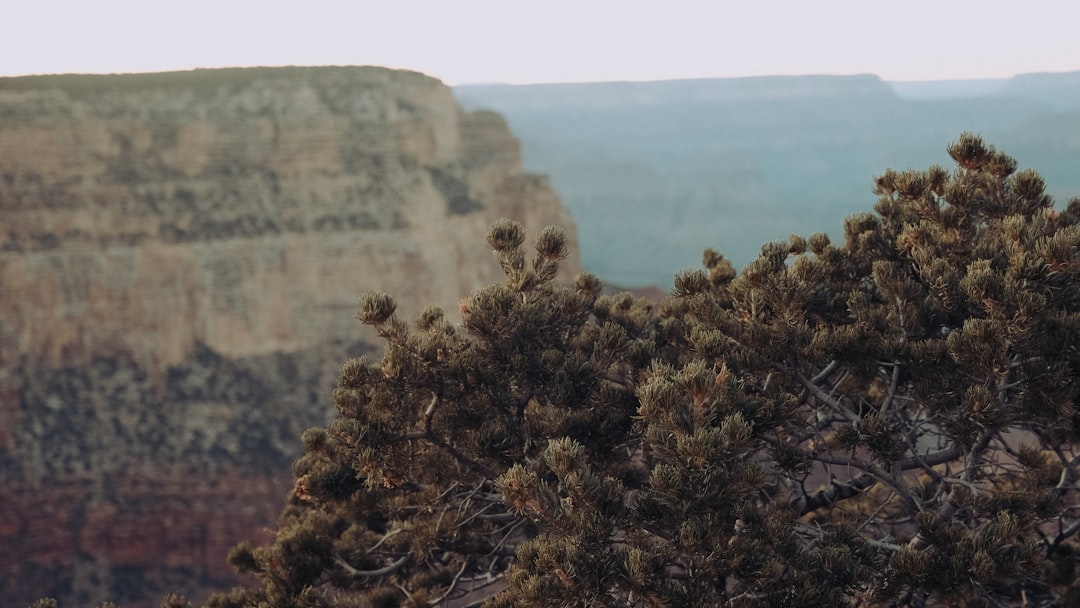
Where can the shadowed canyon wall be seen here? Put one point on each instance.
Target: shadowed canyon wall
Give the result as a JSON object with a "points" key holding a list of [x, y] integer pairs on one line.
{"points": [[180, 259]]}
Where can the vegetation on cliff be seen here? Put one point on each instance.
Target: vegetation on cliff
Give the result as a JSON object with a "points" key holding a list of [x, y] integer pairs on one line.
{"points": [[890, 420]]}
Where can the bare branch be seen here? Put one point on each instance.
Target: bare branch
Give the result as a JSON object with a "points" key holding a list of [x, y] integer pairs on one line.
{"points": [[894, 381], [394, 567], [384, 538], [974, 456], [453, 584], [1064, 534], [825, 373], [1068, 471], [875, 471], [819, 393], [881, 544], [838, 491]]}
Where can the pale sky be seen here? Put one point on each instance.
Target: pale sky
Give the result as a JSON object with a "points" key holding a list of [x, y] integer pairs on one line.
{"points": [[476, 41]]}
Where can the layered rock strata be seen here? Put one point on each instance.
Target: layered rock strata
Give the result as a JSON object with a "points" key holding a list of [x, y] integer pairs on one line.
{"points": [[180, 258]]}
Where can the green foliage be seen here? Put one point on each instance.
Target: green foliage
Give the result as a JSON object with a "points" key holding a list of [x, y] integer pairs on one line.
{"points": [[888, 421]]}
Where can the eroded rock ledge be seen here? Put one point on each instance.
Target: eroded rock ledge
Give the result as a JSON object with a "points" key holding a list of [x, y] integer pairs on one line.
{"points": [[180, 258]]}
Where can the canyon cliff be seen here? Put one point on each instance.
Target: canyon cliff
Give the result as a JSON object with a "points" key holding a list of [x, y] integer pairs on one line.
{"points": [[180, 260]]}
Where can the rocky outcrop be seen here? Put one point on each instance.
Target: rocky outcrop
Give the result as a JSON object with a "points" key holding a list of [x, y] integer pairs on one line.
{"points": [[180, 258]]}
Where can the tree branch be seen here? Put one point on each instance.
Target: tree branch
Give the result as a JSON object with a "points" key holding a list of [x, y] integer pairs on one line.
{"points": [[826, 372], [876, 471], [1068, 471], [395, 566], [820, 394], [836, 492], [842, 491], [429, 435], [453, 585], [894, 381], [974, 456], [1065, 533]]}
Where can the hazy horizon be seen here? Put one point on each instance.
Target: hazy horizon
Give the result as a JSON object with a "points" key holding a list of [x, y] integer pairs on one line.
{"points": [[490, 42], [1001, 79]]}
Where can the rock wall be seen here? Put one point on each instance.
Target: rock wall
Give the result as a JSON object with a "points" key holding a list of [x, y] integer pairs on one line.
{"points": [[180, 259]]}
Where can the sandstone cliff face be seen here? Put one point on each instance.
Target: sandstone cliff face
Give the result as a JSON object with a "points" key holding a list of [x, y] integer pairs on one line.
{"points": [[180, 258]]}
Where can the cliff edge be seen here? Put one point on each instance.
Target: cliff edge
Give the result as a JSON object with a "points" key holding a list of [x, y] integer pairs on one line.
{"points": [[180, 259]]}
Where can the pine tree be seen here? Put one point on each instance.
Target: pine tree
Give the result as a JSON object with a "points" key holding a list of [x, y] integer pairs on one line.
{"points": [[887, 421]]}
